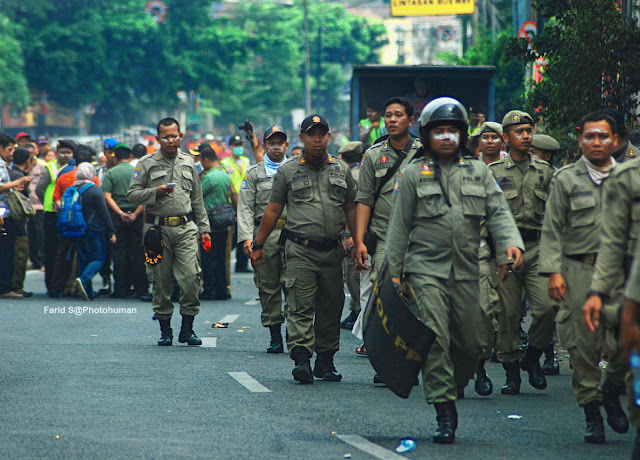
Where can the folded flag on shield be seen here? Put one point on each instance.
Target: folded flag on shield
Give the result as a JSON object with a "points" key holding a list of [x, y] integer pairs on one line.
{"points": [[397, 342]]}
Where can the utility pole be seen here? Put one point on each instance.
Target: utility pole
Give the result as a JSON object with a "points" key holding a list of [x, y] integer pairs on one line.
{"points": [[307, 63], [319, 73]]}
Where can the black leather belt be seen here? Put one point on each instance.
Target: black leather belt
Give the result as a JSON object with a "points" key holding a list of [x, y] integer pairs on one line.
{"points": [[590, 258], [318, 245], [168, 221], [529, 235]]}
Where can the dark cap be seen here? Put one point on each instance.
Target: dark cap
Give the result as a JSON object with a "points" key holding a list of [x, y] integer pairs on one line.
{"points": [[235, 140], [273, 129], [491, 126], [311, 121], [109, 143], [123, 147], [67, 143], [544, 142], [21, 135], [516, 117], [43, 140]]}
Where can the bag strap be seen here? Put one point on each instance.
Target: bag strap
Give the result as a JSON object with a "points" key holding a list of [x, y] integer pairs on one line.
{"points": [[402, 155]]}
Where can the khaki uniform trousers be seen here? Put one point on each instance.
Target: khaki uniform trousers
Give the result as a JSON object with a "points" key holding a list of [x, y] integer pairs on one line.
{"points": [[489, 300], [585, 348], [541, 307], [269, 278], [353, 283], [314, 289], [180, 257], [450, 308]]}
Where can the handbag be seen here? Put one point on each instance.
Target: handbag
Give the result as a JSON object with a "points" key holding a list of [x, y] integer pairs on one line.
{"points": [[221, 217], [19, 205]]}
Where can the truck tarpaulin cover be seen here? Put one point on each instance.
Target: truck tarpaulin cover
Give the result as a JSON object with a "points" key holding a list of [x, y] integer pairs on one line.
{"points": [[397, 342]]}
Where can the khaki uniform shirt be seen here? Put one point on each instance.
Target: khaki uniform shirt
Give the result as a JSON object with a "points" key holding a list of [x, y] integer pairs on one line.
{"points": [[572, 219], [375, 163], [255, 192], [314, 198], [441, 238], [525, 193], [154, 170], [620, 226]]}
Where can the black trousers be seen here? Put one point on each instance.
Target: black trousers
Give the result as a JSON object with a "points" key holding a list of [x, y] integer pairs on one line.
{"points": [[128, 258], [7, 254], [35, 226], [50, 247]]}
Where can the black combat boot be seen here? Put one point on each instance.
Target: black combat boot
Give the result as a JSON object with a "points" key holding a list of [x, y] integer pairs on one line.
{"points": [[447, 418], [276, 339], [186, 332], [483, 386], [530, 362], [512, 385], [616, 418], [594, 433], [349, 321], [324, 368], [166, 334], [550, 365], [302, 370]]}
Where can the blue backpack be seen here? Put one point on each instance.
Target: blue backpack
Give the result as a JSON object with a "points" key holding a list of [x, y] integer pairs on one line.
{"points": [[71, 222]]}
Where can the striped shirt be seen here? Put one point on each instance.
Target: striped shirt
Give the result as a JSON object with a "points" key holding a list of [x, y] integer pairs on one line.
{"points": [[215, 188], [4, 179]]}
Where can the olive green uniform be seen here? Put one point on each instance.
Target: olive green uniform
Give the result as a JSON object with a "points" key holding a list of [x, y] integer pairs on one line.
{"points": [[313, 263], [180, 254], [569, 245], [255, 191], [441, 261], [375, 163], [526, 195], [351, 274], [618, 242], [488, 282], [632, 291]]}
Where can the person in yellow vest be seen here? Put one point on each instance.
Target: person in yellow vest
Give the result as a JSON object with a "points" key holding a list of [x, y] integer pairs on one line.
{"points": [[44, 191], [236, 166]]}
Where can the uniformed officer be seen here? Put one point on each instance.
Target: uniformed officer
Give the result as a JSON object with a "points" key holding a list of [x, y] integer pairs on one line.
{"points": [[544, 147], [167, 184], [351, 152], [319, 193], [375, 194], [255, 191], [441, 199], [620, 230], [568, 250], [525, 183]]}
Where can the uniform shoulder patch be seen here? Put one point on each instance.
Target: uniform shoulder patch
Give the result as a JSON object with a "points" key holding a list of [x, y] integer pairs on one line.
{"points": [[244, 184], [136, 174]]}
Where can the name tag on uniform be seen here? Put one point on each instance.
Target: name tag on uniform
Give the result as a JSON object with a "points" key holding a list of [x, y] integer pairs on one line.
{"points": [[506, 182]]}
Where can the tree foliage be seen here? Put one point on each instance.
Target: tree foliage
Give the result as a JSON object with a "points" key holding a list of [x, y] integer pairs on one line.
{"points": [[13, 84], [593, 61], [246, 63]]}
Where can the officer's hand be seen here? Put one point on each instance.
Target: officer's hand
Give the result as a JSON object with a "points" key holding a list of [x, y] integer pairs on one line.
{"points": [[125, 217], [132, 217], [629, 332], [515, 254], [112, 238], [163, 190], [348, 245], [246, 248], [591, 312], [557, 287], [204, 237], [257, 255], [503, 271], [359, 257]]}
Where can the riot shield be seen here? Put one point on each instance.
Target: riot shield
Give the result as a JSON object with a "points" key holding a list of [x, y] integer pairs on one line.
{"points": [[397, 342]]}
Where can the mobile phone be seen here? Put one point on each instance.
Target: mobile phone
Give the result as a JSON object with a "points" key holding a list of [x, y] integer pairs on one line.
{"points": [[172, 184], [3, 211]]}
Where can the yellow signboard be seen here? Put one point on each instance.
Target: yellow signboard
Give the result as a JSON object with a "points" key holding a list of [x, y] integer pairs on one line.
{"points": [[431, 7]]}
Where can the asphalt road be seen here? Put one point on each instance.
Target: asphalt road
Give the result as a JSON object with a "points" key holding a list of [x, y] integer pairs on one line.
{"points": [[79, 383]]}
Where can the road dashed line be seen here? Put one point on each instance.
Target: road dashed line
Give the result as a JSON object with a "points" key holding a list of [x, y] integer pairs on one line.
{"points": [[229, 319], [369, 447], [209, 342], [249, 382]]}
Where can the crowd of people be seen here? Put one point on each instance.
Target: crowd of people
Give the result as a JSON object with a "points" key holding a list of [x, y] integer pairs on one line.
{"points": [[475, 218]]}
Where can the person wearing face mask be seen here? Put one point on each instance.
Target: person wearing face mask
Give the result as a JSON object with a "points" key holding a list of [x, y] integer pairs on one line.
{"points": [[568, 251], [441, 197], [236, 166], [255, 191], [524, 181]]}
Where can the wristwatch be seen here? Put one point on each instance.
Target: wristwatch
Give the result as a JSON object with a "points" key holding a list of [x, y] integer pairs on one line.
{"points": [[592, 293], [255, 246]]}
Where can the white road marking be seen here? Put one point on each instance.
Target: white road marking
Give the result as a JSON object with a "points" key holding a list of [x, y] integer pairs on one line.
{"points": [[249, 382], [369, 447], [252, 302], [209, 342], [229, 319]]}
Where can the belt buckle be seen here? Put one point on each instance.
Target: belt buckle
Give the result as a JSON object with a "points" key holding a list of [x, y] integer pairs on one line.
{"points": [[174, 221]]}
